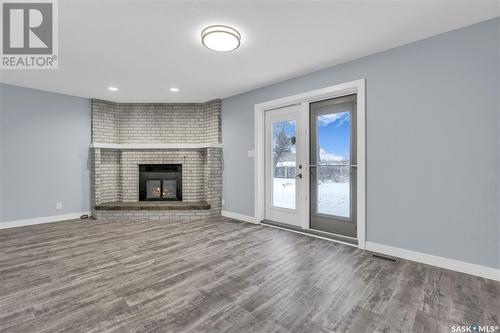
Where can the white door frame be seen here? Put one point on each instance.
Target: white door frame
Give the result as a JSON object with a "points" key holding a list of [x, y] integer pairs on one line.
{"points": [[338, 90]]}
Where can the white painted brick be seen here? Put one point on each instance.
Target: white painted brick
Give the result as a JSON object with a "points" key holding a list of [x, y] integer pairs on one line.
{"points": [[115, 173]]}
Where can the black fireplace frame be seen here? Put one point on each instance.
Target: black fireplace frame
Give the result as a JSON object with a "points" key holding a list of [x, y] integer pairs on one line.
{"points": [[159, 172]]}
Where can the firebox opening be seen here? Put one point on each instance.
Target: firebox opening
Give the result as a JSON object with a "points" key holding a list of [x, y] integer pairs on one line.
{"points": [[160, 182]]}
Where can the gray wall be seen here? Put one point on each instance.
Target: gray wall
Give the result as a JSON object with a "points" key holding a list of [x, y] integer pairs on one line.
{"points": [[432, 142], [45, 141]]}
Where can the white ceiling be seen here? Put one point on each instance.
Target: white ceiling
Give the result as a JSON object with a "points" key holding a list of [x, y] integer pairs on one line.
{"points": [[146, 47]]}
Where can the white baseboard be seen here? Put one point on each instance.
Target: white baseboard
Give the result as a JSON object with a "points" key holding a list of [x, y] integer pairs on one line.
{"points": [[40, 220], [240, 217], [429, 259]]}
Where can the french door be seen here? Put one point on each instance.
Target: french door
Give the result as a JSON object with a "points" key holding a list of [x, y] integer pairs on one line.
{"points": [[311, 166], [333, 166], [284, 166]]}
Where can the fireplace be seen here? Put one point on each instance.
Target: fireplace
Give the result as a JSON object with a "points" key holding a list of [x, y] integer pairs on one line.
{"points": [[160, 182]]}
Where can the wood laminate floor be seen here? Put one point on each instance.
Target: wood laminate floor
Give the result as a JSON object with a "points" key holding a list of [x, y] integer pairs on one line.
{"points": [[220, 275]]}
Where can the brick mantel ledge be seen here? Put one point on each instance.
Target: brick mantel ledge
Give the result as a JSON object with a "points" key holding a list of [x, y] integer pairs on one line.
{"points": [[154, 145]]}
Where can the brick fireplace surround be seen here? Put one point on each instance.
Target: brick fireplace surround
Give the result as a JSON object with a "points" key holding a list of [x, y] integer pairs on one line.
{"points": [[125, 135]]}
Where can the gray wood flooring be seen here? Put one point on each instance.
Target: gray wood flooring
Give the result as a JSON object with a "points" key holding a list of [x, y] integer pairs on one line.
{"points": [[220, 275]]}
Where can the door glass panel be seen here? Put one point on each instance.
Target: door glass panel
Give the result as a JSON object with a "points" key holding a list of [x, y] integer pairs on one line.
{"points": [[170, 189], [283, 167], [333, 191], [333, 160], [153, 189]]}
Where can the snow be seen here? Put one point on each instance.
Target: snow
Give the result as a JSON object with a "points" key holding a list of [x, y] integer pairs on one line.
{"points": [[333, 198], [284, 193], [286, 164]]}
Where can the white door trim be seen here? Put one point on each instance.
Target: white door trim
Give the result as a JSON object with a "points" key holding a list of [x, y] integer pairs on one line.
{"points": [[348, 88]]}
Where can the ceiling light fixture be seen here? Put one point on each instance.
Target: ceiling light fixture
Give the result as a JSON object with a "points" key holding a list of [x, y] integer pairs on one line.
{"points": [[220, 38], [174, 89], [112, 88]]}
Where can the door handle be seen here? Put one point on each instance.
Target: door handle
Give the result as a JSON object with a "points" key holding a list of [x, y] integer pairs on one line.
{"points": [[334, 165], [299, 176]]}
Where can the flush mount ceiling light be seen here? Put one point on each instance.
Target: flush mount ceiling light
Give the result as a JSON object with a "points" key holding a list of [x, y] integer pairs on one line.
{"points": [[112, 88], [174, 89], [220, 38]]}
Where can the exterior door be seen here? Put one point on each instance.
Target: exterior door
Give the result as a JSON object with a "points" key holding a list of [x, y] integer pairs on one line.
{"points": [[284, 188], [333, 166]]}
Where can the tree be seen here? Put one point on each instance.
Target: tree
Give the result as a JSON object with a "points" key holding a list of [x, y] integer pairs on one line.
{"points": [[282, 145]]}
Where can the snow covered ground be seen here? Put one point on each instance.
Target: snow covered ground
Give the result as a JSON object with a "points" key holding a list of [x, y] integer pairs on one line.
{"points": [[333, 198], [284, 193]]}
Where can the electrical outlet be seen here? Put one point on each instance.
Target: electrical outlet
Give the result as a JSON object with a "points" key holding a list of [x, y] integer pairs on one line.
{"points": [[58, 205], [223, 202]]}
